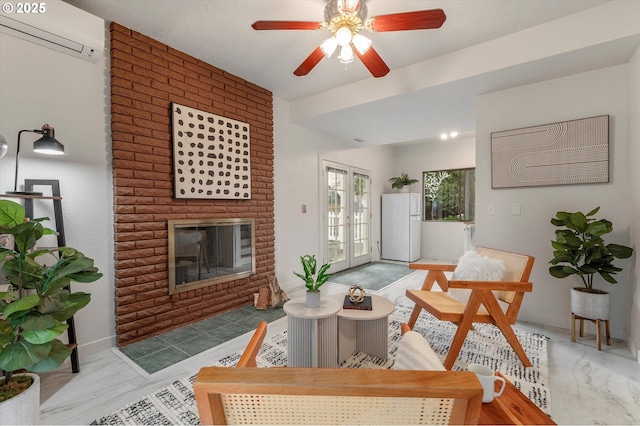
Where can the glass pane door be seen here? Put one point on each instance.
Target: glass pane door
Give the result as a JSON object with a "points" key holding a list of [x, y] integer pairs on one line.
{"points": [[347, 216], [361, 252], [337, 217]]}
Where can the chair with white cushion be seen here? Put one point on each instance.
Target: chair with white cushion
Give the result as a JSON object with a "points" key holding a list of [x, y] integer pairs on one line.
{"points": [[512, 271]]}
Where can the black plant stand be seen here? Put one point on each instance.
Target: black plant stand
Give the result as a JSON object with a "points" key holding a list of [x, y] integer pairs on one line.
{"points": [[57, 212]]}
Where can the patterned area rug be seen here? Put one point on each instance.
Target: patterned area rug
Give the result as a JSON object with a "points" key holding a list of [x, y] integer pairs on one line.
{"points": [[175, 404]]}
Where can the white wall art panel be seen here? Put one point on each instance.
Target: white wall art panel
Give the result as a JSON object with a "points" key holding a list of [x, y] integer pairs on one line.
{"points": [[211, 155], [561, 153]]}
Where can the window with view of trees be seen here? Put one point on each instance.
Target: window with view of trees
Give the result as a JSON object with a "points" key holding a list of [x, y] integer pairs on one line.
{"points": [[450, 195]]}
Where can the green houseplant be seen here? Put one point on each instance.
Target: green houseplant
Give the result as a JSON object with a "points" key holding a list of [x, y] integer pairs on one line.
{"points": [[313, 281], [580, 250], [402, 181], [33, 314]]}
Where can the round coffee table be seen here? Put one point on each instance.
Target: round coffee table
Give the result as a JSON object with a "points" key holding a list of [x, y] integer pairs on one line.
{"points": [[364, 330], [311, 333]]}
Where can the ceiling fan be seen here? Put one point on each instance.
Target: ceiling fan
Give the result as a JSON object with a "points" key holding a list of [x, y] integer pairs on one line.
{"points": [[344, 19]]}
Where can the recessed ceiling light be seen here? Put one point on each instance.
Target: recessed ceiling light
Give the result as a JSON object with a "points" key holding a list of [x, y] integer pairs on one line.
{"points": [[444, 135]]}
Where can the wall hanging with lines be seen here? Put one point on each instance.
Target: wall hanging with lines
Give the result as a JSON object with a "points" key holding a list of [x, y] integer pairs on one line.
{"points": [[567, 152]]}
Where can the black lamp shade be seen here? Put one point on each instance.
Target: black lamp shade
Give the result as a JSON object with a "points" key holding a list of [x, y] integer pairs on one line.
{"points": [[48, 145]]}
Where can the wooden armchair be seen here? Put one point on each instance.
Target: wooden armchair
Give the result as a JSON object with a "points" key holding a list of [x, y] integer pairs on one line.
{"points": [[336, 396], [482, 306], [248, 358]]}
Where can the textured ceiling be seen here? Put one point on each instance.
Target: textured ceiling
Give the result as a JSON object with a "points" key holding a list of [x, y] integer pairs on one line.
{"points": [[219, 32]]}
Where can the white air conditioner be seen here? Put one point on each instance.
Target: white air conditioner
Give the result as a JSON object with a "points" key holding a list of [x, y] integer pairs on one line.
{"points": [[56, 25]]}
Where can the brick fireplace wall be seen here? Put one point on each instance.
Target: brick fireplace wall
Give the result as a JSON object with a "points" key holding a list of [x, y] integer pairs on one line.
{"points": [[146, 76]]}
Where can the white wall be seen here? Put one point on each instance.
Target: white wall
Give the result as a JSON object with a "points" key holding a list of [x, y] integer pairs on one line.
{"points": [[39, 86], [440, 240], [298, 152], [633, 282], [604, 91]]}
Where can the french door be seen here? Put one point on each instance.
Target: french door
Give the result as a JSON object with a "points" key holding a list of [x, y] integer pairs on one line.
{"points": [[346, 215]]}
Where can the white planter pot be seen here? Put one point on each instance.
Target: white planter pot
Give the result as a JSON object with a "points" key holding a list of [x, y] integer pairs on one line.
{"points": [[23, 409], [590, 305], [313, 299], [404, 189]]}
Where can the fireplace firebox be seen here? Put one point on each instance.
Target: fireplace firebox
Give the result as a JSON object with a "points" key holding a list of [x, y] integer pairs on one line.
{"points": [[203, 252]]}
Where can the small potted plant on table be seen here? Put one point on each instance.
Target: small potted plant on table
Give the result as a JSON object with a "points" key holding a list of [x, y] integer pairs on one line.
{"points": [[312, 281], [580, 250]]}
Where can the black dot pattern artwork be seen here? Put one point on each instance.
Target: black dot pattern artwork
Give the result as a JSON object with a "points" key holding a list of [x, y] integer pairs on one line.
{"points": [[211, 155]]}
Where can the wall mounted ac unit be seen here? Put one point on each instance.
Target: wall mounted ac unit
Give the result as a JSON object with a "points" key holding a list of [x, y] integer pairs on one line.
{"points": [[56, 25]]}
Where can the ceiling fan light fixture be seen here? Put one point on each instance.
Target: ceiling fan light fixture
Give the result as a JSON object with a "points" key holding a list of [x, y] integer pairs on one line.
{"points": [[329, 46], [361, 43], [348, 6], [346, 54], [343, 36]]}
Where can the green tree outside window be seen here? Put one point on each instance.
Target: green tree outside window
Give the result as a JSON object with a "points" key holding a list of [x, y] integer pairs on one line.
{"points": [[449, 195]]}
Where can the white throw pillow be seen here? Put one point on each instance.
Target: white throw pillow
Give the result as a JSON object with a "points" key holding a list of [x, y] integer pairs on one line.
{"points": [[474, 266], [415, 353]]}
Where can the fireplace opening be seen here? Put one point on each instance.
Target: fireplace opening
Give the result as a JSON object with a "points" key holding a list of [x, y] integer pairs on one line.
{"points": [[203, 252]]}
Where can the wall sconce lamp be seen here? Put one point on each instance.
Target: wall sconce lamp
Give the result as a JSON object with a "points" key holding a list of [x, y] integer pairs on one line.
{"points": [[47, 144]]}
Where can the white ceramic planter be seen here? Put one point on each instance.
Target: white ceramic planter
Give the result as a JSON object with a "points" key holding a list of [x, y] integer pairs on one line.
{"points": [[404, 189], [23, 409], [313, 299], [590, 305]]}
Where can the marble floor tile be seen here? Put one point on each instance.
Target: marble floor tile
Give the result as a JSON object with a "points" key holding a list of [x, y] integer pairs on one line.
{"points": [[587, 386]]}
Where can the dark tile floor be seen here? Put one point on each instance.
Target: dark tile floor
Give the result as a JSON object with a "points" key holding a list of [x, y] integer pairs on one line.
{"points": [[372, 276], [160, 352]]}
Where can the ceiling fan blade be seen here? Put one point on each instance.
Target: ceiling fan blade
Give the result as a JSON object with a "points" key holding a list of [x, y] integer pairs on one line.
{"points": [[312, 60], [286, 25], [419, 20], [373, 62]]}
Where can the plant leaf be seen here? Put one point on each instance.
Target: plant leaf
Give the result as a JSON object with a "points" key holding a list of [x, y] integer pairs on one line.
{"points": [[75, 302], [56, 356], [579, 220], [607, 277], [45, 335], [23, 304], [558, 272], [22, 355], [11, 213], [620, 251], [594, 211]]}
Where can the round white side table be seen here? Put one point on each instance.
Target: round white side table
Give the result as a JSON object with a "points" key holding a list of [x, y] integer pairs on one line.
{"points": [[364, 330], [312, 333]]}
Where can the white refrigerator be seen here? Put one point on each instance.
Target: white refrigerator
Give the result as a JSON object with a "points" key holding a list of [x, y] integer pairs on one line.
{"points": [[401, 219]]}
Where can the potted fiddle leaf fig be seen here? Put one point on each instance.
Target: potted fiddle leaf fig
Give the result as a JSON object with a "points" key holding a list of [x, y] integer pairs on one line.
{"points": [[402, 182], [35, 307], [313, 281], [580, 250]]}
